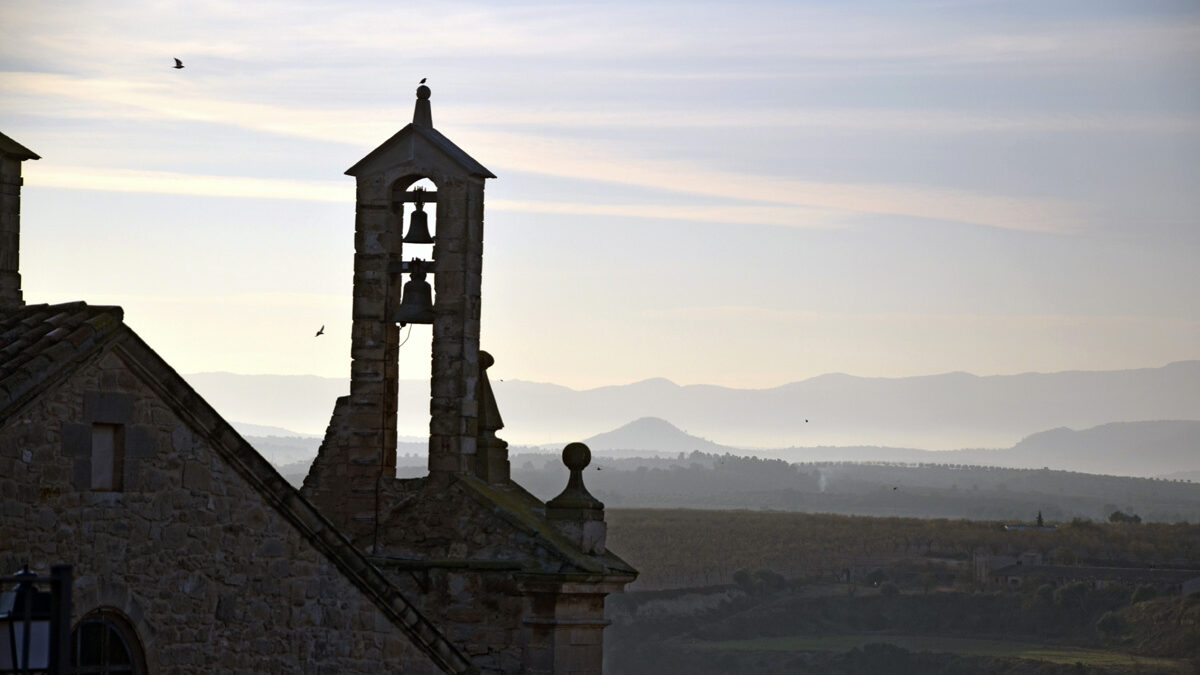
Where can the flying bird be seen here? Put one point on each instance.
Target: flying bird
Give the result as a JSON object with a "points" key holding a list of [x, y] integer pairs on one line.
{"points": [[320, 332], [422, 81], [178, 64]]}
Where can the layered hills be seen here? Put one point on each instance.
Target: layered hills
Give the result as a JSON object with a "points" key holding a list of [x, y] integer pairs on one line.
{"points": [[937, 412]]}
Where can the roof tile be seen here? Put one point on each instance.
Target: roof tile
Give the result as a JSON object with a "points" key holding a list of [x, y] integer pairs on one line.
{"points": [[38, 342]]}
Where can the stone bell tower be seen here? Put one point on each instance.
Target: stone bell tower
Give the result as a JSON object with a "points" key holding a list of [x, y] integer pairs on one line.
{"points": [[360, 447], [517, 582]]}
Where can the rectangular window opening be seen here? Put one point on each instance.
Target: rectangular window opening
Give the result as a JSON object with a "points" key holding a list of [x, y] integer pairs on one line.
{"points": [[108, 455]]}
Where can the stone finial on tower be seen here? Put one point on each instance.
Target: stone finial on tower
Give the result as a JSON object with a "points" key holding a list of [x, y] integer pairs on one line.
{"points": [[575, 513], [422, 114], [12, 154]]}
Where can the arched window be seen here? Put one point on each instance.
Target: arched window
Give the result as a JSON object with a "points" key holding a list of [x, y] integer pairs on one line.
{"points": [[104, 643]]}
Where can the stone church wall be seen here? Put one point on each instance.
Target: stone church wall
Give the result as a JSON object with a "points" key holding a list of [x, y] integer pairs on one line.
{"points": [[210, 574]]}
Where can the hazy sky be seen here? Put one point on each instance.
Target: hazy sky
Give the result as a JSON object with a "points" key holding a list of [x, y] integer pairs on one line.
{"points": [[742, 194]]}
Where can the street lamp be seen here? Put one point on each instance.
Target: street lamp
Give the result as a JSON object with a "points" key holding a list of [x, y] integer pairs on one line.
{"points": [[34, 624]]}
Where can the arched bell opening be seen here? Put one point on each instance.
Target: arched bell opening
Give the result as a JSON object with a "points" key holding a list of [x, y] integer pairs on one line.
{"points": [[414, 212], [414, 205]]}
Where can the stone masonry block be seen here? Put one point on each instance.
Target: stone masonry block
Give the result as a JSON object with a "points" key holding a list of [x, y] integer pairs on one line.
{"points": [[139, 441], [368, 241], [444, 462], [81, 474], [451, 284], [373, 220], [450, 262], [77, 440], [586, 636], [108, 407], [445, 387], [443, 422]]}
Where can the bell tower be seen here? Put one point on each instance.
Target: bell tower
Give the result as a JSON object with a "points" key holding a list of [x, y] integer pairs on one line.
{"points": [[392, 287], [519, 582]]}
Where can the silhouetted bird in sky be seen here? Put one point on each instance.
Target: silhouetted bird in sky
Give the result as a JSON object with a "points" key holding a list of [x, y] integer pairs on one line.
{"points": [[178, 63], [320, 332], [422, 81]]}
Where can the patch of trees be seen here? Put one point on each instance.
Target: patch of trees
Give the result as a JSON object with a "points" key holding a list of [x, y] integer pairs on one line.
{"points": [[1122, 517], [706, 480]]}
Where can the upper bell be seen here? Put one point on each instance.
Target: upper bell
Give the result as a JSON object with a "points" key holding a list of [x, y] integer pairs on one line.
{"points": [[418, 227]]}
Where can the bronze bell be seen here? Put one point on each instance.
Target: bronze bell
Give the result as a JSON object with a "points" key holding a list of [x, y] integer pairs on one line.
{"points": [[416, 305], [418, 227]]}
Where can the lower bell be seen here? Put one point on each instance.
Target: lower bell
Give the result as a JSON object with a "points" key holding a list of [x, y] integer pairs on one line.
{"points": [[416, 304]]}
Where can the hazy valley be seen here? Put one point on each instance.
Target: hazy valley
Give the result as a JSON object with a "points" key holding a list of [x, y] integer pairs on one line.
{"points": [[851, 551], [1143, 467], [937, 412]]}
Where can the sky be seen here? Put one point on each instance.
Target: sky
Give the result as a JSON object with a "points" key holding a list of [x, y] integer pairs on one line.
{"points": [[741, 194]]}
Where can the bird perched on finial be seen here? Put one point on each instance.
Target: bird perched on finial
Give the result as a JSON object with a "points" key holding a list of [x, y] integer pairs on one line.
{"points": [[178, 64]]}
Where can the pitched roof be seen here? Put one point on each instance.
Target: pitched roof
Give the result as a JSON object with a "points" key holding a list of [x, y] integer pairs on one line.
{"points": [[434, 137], [41, 345], [519, 508], [14, 149]]}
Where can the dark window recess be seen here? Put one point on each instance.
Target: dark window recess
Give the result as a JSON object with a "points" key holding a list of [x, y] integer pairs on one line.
{"points": [[103, 643]]}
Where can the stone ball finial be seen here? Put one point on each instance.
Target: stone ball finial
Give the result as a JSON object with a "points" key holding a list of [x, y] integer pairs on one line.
{"points": [[486, 360], [423, 93], [575, 513], [576, 456]]}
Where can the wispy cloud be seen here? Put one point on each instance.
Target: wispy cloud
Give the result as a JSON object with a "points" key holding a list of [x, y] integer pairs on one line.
{"points": [[104, 98], [591, 160], [165, 182], [735, 313], [685, 40], [596, 162], [796, 203]]}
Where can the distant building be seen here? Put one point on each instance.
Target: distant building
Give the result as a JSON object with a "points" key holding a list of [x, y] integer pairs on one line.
{"points": [[192, 553]]}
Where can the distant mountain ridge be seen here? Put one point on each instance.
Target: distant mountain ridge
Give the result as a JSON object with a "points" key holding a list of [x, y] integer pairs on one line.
{"points": [[1125, 448], [1142, 449], [1163, 449], [652, 434], [943, 412]]}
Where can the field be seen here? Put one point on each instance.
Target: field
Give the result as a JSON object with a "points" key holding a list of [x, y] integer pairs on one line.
{"points": [[1057, 654], [679, 548], [780, 592]]}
